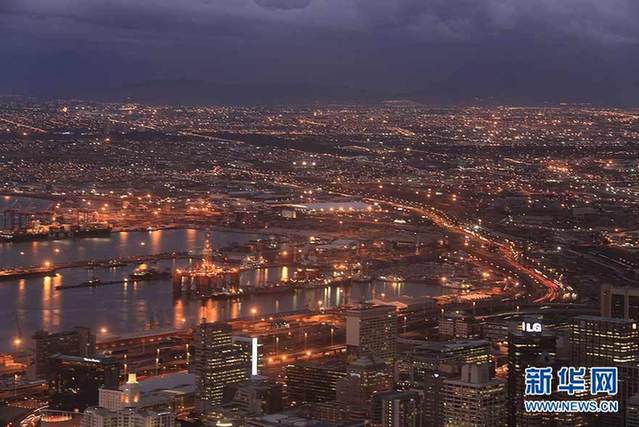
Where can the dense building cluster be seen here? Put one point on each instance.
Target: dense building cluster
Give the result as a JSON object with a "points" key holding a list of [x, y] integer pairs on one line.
{"points": [[433, 256]]}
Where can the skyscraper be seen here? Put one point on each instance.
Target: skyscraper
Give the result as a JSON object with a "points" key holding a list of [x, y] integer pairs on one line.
{"points": [[397, 409], [603, 341], [217, 362], [311, 382], [475, 399], [371, 330], [426, 367], [526, 349], [606, 341]]}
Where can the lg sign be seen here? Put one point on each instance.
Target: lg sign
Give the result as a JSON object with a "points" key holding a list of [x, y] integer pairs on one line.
{"points": [[531, 327]]}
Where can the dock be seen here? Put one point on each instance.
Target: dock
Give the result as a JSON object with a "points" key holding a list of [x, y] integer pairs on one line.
{"points": [[91, 285]]}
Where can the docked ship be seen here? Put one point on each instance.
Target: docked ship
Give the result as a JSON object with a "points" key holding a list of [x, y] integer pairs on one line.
{"points": [[91, 230], [251, 262], [24, 273], [391, 279], [462, 286], [144, 273]]}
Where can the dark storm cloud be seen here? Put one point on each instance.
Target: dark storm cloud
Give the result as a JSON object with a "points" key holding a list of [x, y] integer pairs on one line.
{"points": [[394, 45], [609, 20]]}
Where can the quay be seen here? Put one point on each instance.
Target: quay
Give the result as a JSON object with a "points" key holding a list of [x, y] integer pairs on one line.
{"points": [[51, 270]]}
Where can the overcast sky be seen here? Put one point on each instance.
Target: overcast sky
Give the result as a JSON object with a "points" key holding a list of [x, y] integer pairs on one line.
{"points": [[524, 51]]}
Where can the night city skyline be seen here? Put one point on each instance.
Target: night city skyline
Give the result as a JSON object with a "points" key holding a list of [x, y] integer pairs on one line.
{"points": [[319, 213]]}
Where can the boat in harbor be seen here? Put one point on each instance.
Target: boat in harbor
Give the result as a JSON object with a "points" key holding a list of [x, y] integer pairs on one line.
{"points": [[391, 279], [251, 262], [462, 286], [148, 274], [91, 282]]}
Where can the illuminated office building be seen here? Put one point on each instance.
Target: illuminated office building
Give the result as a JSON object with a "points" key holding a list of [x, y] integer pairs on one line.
{"points": [[371, 330], [601, 341], [254, 349], [76, 342], [532, 347], [424, 368], [217, 362], [309, 382], [606, 341], [74, 382], [397, 409], [475, 399]]}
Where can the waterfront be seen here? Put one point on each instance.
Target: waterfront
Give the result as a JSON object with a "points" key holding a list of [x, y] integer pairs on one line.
{"points": [[35, 304]]}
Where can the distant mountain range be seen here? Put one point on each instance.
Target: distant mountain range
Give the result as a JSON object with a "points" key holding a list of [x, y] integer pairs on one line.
{"points": [[206, 93]]}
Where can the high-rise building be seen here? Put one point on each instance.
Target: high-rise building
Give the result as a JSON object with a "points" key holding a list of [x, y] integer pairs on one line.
{"points": [[632, 411], [396, 409], [76, 342], [364, 378], [74, 382], [129, 417], [310, 382], [425, 367], [526, 348], [475, 399], [606, 341], [217, 362], [619, 302], [603, 341], [256, 396], [254, 349], [371, 330], [459, 325]]}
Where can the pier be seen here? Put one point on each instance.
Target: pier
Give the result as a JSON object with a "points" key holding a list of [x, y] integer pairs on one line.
{"points": [[50, 270]]}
